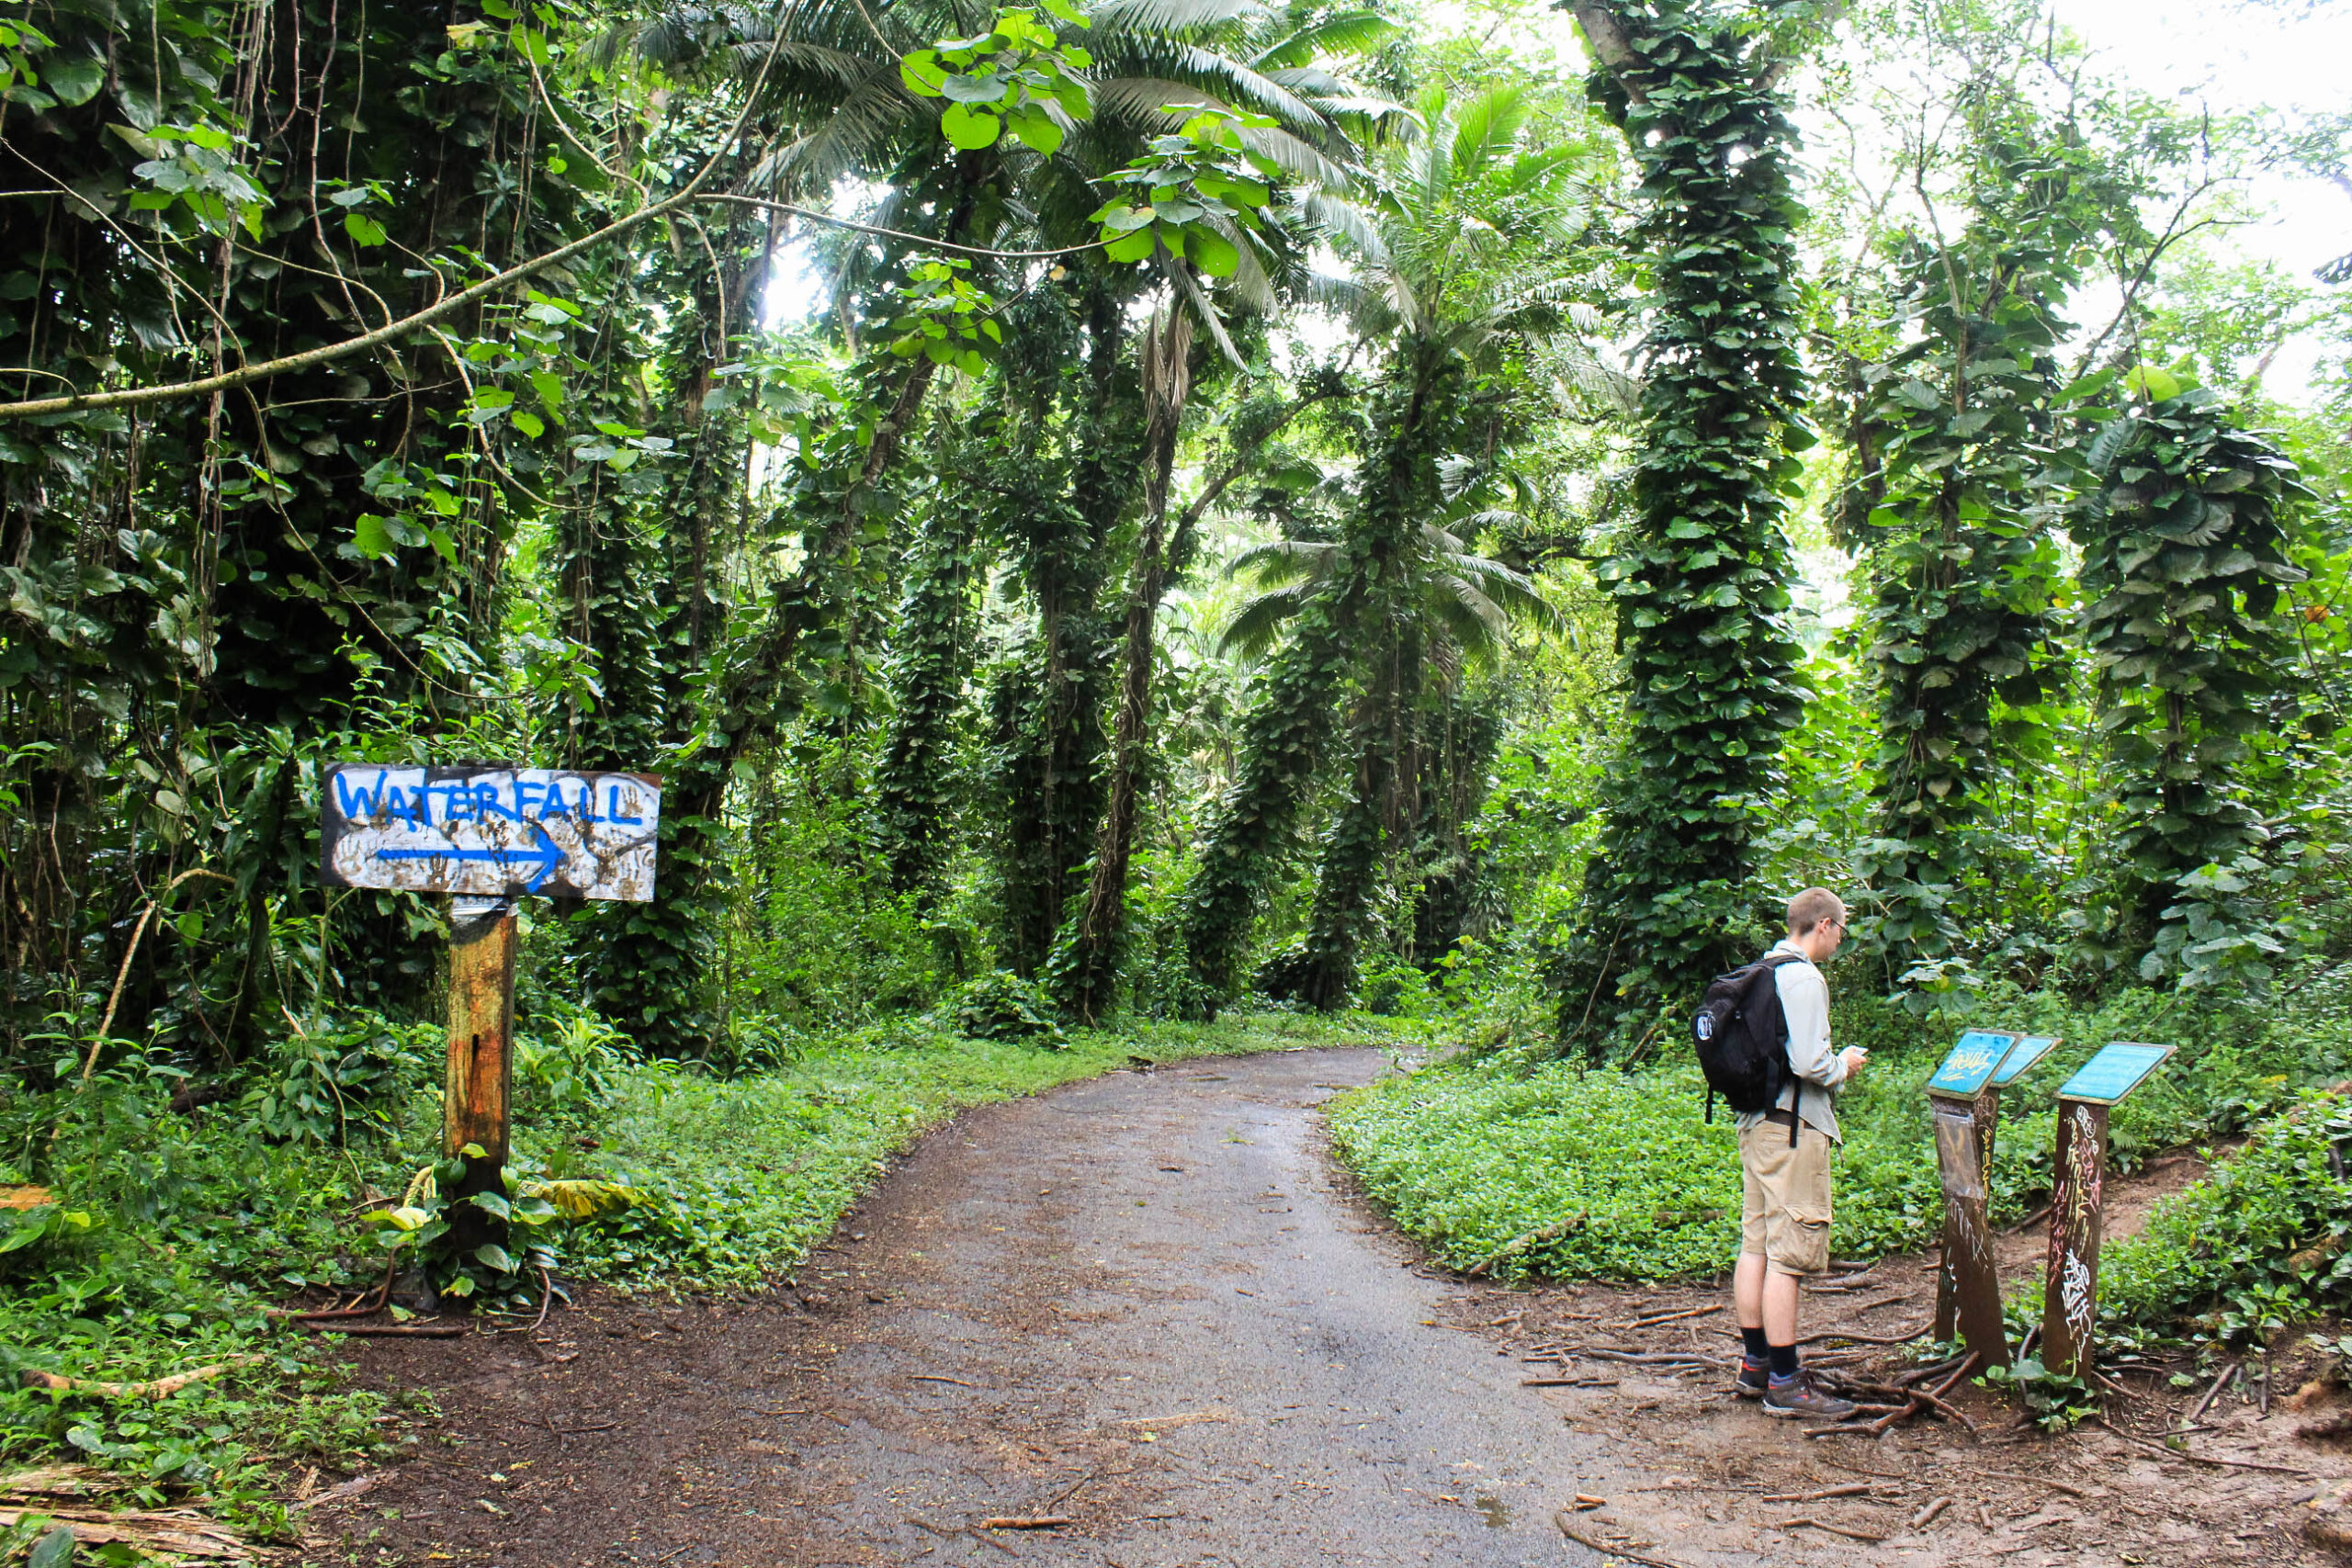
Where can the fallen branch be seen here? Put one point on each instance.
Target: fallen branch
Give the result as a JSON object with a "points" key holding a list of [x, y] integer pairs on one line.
{"points": [[2211, 1394], [1671, 1316], [2198, 1459], [1929, 1515], [351, 1488], [1849, 1489], [549, 1422], [1026, 1522], [365, 1309], [2068, 1487], [1593, 1544], [1809, 1522], [155, 1390], [191, 1534], [1646, 1358], [393, 1331], [926, 1377], [1519, 1244]]}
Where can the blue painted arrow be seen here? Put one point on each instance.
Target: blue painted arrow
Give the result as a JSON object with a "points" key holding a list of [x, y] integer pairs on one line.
{"points": [[547, 856]]}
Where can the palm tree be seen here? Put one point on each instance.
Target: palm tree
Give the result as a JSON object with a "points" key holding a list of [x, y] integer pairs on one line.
{"points": [[1448, 609], [1458, 257]]}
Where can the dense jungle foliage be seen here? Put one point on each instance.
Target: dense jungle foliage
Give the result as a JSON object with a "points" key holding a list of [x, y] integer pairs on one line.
{"points": [[1120, 525]]}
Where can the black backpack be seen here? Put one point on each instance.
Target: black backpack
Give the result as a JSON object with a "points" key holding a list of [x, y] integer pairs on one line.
{"points": [[1743, 1038]]}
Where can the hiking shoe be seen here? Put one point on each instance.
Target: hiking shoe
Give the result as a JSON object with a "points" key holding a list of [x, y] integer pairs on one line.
{"points": [[1799, 1397], [1755, 1377]]}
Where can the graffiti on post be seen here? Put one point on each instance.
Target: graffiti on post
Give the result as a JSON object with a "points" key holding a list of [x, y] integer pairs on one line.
{"points": [[489, 831]]}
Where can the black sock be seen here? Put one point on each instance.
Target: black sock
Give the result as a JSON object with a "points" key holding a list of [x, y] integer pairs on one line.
{"points": [[1754, 1338], [1784, 1361]]}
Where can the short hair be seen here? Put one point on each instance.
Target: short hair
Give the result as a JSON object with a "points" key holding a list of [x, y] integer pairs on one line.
{"points": [[1811, 907]]}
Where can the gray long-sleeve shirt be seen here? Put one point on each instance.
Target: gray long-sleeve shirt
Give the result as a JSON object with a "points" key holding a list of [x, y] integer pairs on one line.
{"points": [[1819, 1069]]}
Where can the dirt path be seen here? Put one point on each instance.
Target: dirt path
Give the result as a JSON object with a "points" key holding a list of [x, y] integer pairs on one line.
{"points": [[1144, 1305], [1139, 1303]]}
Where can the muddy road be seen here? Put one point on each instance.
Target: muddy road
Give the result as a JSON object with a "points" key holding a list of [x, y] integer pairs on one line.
{"points": [[1147, 1307], [1140, 1304]]}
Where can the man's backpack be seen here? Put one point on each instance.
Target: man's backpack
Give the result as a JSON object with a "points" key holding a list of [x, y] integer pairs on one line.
{"points": [[1743, 1038]]}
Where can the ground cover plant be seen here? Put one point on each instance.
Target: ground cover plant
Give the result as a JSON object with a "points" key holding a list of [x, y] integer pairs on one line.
{"points": [[1520, 1166]]}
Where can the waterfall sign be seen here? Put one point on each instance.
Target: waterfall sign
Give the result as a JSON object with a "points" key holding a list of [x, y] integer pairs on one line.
{"points": [[489, 831]]}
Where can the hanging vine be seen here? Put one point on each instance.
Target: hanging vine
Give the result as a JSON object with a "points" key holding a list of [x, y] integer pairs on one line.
{"points": [[1701, 578], [2184, 560]]}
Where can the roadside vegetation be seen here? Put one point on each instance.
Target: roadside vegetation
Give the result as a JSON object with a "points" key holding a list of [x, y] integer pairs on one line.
{"points": [[171, 1236]]}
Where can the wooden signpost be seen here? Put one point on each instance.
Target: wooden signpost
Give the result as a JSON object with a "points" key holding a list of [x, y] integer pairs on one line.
{"points": [[2070, 1290], [1951, 1080], [1964, 1107], [486, 836]]}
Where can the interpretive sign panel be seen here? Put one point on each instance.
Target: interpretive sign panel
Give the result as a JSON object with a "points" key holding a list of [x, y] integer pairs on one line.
{"points": [[1970, 1064], [489, 831], [2030, 1049], [2115, 1072]]}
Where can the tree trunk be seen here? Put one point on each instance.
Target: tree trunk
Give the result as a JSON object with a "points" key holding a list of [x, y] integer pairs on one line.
{"points": [[1091, 971]]}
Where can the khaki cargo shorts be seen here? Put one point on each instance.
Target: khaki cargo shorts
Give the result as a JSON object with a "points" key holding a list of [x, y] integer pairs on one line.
{"points": [[1784, 1198]]}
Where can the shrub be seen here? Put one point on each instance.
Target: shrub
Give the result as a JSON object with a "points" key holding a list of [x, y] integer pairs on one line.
{"points": [[1000, 1005]]}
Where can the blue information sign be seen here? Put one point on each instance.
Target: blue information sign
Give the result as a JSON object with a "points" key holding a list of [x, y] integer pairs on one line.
{"points": [[1970, 1064], [2030, 1049], [2115, 1072]]}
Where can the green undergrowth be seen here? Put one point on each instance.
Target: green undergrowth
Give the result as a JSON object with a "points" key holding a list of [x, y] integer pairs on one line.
{"points": [[166, 1232], [1548, 1169]]}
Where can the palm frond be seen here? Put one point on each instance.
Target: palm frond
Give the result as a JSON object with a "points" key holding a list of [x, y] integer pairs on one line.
{"points": [[1259, 622], [1342, 32], [1178, 18], [1284, 561]]}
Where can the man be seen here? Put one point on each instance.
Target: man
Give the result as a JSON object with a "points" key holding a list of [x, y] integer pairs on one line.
{"points": [[1784, 1209]]}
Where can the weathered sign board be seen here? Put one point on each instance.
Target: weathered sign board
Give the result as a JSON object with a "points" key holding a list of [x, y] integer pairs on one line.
{"points": [[486, 835], [2078, 1223], [1971, 1064], [489, 831], [1966, 1109], [2116, 1071], [2022, 1057]]}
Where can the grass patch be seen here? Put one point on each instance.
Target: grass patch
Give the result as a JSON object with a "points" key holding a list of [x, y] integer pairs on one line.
{"points": [[168, 1233]]}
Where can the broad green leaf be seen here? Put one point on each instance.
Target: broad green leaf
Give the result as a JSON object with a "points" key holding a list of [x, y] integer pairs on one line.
{"points": [[968, 128], [74, 79], [1037, 129], [1133, 245], [922, 73], [976, 87], [371, 535], [1213, 252]]}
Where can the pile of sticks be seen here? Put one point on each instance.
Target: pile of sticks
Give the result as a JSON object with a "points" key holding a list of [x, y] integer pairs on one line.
{"points": [[1880, 1405]]}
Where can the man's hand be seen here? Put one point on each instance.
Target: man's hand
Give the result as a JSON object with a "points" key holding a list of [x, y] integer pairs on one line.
{"points": [[1854, 1056]]}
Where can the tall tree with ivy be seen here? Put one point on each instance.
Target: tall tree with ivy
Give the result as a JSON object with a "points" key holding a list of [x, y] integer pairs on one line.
{"points": [[1701, 574], [1467, 260], [2183, 528]]}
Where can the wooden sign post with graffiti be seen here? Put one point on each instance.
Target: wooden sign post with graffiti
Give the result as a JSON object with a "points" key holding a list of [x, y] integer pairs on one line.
{"points": [[2070, 1292], [1984, 1110], [486, 836], [1964, 1107]]}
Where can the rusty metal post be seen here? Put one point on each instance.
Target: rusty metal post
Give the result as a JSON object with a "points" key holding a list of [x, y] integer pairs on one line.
{"points": [[1987, 1114], [2070, 1293], [479, 1086], [1962, 1158]]}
